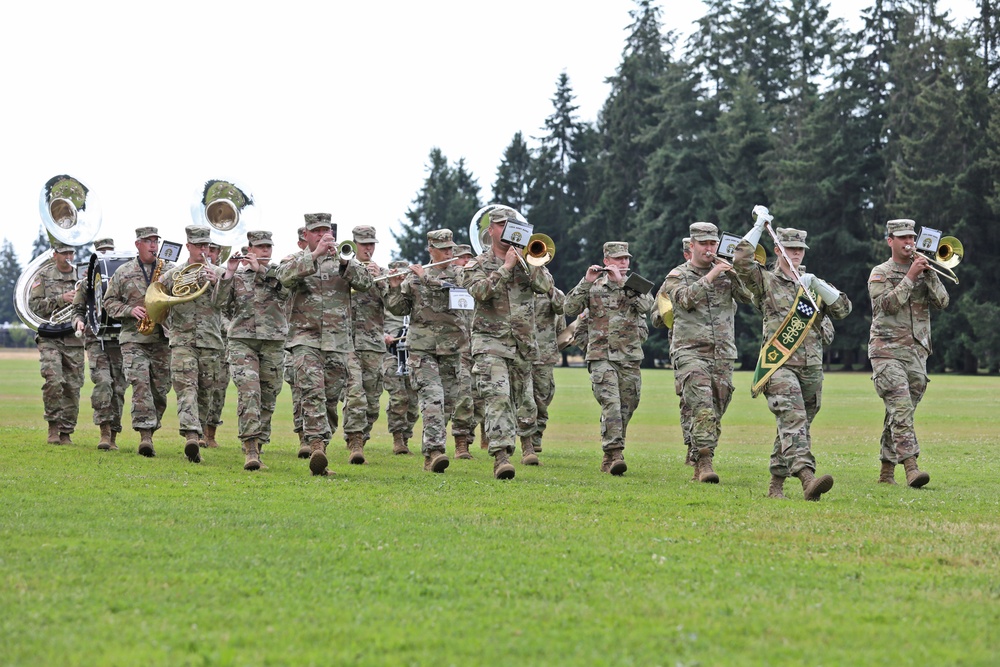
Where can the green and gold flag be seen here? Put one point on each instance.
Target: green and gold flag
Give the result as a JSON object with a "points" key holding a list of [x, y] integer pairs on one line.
{"points": [[785, 340]]}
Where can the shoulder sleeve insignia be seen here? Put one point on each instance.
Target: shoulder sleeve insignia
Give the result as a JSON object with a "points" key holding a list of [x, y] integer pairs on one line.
{"points": [[470, 265], [876, 277], [674, 273]]}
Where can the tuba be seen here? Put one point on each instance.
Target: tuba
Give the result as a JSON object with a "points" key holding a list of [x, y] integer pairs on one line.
{"points": [[228, 209], [71, 214]]}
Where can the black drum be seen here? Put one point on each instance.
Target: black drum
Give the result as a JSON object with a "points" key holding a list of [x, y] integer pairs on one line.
{"points": [[102, 267]]}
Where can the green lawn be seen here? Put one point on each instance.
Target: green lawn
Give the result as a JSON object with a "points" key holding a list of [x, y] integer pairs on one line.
{"points": [[108, 558]]}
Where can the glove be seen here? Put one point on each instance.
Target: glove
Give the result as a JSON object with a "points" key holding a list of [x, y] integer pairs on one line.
{"points": [[760, 218], [827, 291], [807, 280]]}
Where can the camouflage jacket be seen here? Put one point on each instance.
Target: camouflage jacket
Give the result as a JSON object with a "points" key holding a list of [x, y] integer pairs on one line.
{"points": [[319, 312], [434, 326], [127, 290], [549, 323], [196, 323], [616, 325], [901, 317], [774, 293], [45, 296], [255, 303], [504, 323], [704, 312], [368, 314]]}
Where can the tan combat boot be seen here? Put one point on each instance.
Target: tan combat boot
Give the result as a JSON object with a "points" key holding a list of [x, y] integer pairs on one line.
{"points": [[776, 489], [536, 442], [888, 473], [462, 447], [210, 441], [502, 469], [914, 476], [317, 459], [356, 445], [399, 445], [703, 466], [105, 442], [617, 467], [304, 449], [64, 439], [191, 446], [813, 487], [606, 463], [146, 443], [53, 437], [528, 458], [114, 440], [252, 454], [436, 462]]}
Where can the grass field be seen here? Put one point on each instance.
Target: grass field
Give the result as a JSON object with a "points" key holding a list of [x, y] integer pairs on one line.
{"points": [[108, 558]]}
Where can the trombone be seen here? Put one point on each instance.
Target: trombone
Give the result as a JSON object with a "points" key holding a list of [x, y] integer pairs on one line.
{"points": [[948, 255]]}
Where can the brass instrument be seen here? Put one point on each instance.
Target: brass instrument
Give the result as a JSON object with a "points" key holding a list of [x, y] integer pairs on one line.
{"points": [[347, 250], [185, 289], [538, 251], [146, 324], [948, 255], [228, 209]]}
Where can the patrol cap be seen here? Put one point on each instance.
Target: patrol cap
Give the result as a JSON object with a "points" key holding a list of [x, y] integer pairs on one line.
{"points": [[146, 232], [614, 249], [461, 250], [440, 238], [259, 237], [704, 231], [398, 264], [198, 234], [317, 220], [302, 233], [503, 214], [104, 244], [364, 234], [686, 243], [900, 227], [792, 238], [59, 246]]}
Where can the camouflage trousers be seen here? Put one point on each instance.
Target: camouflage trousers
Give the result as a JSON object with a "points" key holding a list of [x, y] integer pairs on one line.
{"points": [[544, 390], [147, 371], [900, 385], [617, 386], [464, 420], [195, 374], [686, 433], [256, 368], [321, 377], [108, 376], [507, 393], [219, 389], [794, 395], [62, 375], [402, 410], [364, 391], [435, 377], [353, 396], [296, 393], [705, 387]]}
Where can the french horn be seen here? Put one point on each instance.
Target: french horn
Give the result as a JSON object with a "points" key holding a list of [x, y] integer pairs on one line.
{"points": [[186, 288]]}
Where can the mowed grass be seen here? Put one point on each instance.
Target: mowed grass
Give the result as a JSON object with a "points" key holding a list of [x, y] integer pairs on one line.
{"points": [[108, 558]]}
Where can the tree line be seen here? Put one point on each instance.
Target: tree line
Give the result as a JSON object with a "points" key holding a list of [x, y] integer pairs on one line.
{"points": [[776, 103]]}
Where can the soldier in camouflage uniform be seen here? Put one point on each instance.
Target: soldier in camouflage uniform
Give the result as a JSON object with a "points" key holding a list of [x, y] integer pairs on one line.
{"points": [[194, 328], [367, 313], [60, 354], [319, 338], [903, 291], [503, 342], [104, 357], [402, 410], [616, 331], [221, 384], [704, 293], [436, 338], [469, 409], [257, 331], [795, 390], [549, 323], [145, 357]]}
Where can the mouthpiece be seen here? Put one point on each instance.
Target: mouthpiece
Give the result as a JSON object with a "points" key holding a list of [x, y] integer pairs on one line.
{"points": [[908, 247]]}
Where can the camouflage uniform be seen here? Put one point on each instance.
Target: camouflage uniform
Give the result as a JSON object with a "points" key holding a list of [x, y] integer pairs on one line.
{"points": [[615, 333], [899, 346], [61, 358], [794, 392], [549, 323], [504, 345], [319, 332], [196, 347], [703, 347], [402, 410], [257, 334], [145, 358], [436, 337]]}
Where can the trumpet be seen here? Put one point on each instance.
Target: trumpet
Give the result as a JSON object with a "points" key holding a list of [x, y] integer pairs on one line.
{"points": [[396, 274], [347, 250]]}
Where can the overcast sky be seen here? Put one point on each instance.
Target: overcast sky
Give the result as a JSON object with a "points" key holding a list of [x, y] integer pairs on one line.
{"points": [[316, 106]]}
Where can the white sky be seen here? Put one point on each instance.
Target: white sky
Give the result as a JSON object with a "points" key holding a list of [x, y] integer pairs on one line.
{"points": [[316, 106]]}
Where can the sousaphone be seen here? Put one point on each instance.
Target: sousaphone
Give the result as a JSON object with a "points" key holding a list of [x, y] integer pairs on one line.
{"points": [[228, 209]]}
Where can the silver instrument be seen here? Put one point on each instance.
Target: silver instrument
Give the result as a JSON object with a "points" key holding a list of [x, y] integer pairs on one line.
{"points": [[228, 209]]}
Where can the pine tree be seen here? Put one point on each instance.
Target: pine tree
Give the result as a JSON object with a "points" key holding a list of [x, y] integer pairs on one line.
{"points": [[41, 243], [514, 176], [10, 270]]}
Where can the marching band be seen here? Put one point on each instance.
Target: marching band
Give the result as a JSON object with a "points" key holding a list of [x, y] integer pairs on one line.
{"points": [[470, 338]]}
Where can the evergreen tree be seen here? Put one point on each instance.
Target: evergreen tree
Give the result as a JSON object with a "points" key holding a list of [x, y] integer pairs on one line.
{"points": [[513, 176], [448, 199], [10, 270], [41, 243]]}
